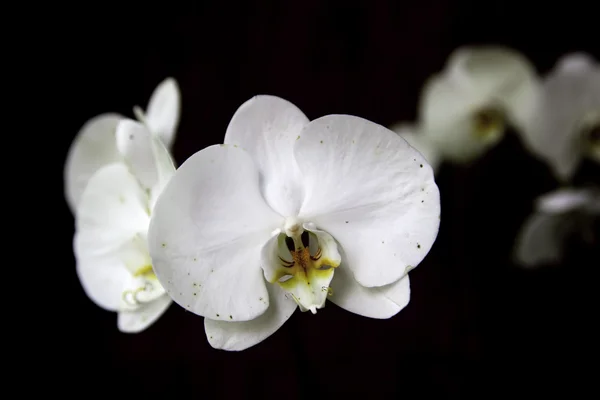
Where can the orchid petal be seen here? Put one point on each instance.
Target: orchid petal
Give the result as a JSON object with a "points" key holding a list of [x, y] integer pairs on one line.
{"points": [[162, 115], [140, 319], [93, 147], [420, 142], [146, 155], [564, 200], [267, 127], [377, 302], [236, 336], [541, 239], [111, 214], [206, 234], [373, 192]]}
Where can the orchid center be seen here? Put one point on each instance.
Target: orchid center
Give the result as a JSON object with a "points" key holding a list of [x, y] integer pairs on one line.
{"points": [[303, 263], [488, 124], [143, 287], [590, 132]]}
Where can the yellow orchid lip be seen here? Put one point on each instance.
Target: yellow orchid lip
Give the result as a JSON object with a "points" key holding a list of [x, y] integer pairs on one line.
{"points": [[305, 276]]}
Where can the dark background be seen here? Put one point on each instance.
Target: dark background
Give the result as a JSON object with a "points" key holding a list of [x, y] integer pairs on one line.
{"points": [[476, 323]]}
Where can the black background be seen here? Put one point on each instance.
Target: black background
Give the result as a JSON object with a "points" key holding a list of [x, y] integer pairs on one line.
{"points": [[476, 323]]}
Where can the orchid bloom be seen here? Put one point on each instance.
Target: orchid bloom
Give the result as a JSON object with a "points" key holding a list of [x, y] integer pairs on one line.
{"points": [[291, 212], [94, 145], [113, 216], [567, 123], [465, 109], [556, 216]]}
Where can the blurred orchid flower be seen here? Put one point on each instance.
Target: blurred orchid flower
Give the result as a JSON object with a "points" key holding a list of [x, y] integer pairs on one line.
{"points": [[557, 215], [291, 212], [567, 123], [465, 109], [94, 145], [112, 219]]}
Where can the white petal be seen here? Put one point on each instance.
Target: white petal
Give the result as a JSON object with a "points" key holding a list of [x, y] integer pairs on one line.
{"points": [[420, 142], [135, 144], [564, 200], [93, 147], [146, 155], [268, 127], [570, 94], [110, 215], [477, 79], [372, 192], [541, 239], [206, 234], [236, 336], [162, 115], [377, 302], [140, 319]]}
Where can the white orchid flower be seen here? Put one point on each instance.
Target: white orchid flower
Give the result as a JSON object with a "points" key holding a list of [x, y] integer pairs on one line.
{"points": [[567, 123], [465, 110], [113, 215], [94, 145], [288, 213], [420, 142], [556, 216]]}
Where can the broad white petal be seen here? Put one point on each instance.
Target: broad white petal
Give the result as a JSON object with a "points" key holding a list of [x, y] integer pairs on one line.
{"points": [[564, 200], [236, 336], [93, 147], [141, 318], [162, 115], [370, 190], [206, 234], [570, 96], [377, 302], [541, 239], [267, 127], [110, 215], [419, 141]]}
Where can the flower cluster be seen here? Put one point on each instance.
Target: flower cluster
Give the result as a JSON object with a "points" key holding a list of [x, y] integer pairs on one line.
{"points": [[285, 214], [288, 213]]}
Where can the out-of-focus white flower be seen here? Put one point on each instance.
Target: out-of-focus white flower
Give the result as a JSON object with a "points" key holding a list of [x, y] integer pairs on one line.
{"points": [[111, 227], [94, 145], [566, 126], [289, 213], [556, 216], [465, 109]]}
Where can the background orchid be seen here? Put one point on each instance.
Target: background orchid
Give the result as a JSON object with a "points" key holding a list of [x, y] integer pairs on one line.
{"points": [[558, 216], [113, 215], [94, 145], [290, 212], [566, 127], [464, 110]]}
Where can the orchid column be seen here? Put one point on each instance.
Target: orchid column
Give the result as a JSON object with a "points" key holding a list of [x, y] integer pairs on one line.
{"points": [[291, 212]]}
